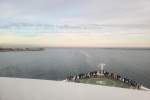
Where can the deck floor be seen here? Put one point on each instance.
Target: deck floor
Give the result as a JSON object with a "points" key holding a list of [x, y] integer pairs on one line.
{"points": [[105, 82]]}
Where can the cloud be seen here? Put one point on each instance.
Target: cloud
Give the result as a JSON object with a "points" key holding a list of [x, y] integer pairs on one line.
{"points": [[39, 25], [5, 26], [75, 18], [75, 27], [28, 29], [14, 24], [47, 25], [7, 9], [23, 24], [78, 12]]}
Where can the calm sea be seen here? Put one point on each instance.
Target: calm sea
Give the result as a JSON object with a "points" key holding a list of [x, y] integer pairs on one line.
{"points": [[58, 63]]}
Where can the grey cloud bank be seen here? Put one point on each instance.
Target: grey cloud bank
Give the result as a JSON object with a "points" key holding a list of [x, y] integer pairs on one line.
{"points": [[36, 29], [79, 12], [75, 26]]}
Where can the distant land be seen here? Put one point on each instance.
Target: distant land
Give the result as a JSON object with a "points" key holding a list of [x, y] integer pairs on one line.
{"points": [[20, 49], [121, 48]]}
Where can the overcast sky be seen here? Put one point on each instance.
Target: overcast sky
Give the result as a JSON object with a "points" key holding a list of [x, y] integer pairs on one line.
{"points": [[84, 23]]}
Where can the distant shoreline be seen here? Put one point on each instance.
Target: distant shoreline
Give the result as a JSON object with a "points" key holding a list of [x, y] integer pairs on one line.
{"points": [[119, 48], [3, 49], [20, 49]]}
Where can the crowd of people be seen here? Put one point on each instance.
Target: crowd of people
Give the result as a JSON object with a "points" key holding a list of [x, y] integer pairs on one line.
{"points": [[106, 74]]}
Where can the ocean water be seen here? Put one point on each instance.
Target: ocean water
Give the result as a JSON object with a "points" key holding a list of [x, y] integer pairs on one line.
{"points": [[58, 63]]}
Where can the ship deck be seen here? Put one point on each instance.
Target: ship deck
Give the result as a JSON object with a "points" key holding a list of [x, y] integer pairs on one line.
{"points": [[105, 82]]}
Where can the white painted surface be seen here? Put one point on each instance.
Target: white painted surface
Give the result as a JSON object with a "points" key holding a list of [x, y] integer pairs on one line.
{"points": [[31, 89], [101, 65], [144, 88]]}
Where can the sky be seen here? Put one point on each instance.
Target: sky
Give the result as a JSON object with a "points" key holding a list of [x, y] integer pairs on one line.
{"points": [[75, 23]]}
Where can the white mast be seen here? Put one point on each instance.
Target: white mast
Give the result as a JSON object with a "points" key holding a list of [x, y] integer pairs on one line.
{"points": [[101, 67]]}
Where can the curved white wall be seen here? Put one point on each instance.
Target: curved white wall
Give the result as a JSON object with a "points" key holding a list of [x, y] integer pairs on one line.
{"points": [[32, 89]]}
